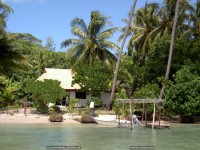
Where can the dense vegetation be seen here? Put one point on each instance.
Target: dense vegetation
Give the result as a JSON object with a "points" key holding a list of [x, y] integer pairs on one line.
{"points": [[143, 65]]}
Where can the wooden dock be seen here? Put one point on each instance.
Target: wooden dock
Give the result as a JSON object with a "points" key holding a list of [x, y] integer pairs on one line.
{"points": [[157, 126]]}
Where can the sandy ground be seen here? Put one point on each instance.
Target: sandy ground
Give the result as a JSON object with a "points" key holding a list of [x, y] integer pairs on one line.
{"points": [[31, 118]]}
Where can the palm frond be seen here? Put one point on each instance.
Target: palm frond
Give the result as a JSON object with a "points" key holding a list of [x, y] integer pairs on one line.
{"points": [[79, 32], [80, 23], [110, 45], [107, 33], [71, 42], [98, 23]]}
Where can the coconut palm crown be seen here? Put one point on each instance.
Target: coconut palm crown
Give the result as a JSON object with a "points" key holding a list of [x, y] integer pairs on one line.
{"points": [[92, 44]]}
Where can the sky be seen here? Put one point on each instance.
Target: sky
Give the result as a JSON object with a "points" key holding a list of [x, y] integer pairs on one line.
{"points": [[51, 18]]}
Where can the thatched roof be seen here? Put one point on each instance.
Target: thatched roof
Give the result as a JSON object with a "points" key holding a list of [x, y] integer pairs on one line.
{"points": [[62, 75]]}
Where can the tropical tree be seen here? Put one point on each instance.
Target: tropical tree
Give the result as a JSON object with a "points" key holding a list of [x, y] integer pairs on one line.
{"points": [[166, 19], [194, 19], [50, 45], [92, 43], [171, 48], [183, 93], [145, 21], [10, 59], [5, 10], [7, 91], [90, 78], [44, 92], [111, 102]]}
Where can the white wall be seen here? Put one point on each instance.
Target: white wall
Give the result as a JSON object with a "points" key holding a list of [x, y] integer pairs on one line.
{"points": [[72, 95], [83, 102], [105, 97]]}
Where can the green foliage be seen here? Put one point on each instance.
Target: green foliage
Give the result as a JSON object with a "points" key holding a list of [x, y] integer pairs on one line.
{"points": [[50, 44], [115, 107], [97, 102], [183, 95], [38, 57], [121, 108], [72, 105], [44, 92], [51, 110], [126, 70], [11, 60], [155, 65], [7, 91], [92, 43], [94, 78], [156, 61], [148, 91]]}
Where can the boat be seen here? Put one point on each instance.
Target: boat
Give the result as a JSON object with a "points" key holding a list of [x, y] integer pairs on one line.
{"points": [[110, 120]]}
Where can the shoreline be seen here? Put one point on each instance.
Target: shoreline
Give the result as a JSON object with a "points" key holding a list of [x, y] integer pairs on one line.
{"points": [[33, 118]]}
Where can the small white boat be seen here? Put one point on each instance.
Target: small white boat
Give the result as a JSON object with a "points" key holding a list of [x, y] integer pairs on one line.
{"points": [[111, 120]]}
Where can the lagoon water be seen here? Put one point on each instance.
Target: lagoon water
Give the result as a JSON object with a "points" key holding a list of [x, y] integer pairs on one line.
{"points": [[96, 137]]}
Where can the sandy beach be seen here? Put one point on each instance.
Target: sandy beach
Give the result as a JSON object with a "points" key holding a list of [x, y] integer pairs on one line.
{"points": [[31, 118]]}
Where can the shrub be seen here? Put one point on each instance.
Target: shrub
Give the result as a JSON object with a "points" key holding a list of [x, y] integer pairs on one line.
{"points": [[71, 107], [97, 102], [44, 92], [51, 110]]}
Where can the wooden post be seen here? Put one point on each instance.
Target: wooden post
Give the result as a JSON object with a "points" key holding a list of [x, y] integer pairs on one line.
{"points": [[145, 113], [123, 109], [25, 106], [154, 111], [159, 115], [119, 112], [131, 113], [7, 109]]}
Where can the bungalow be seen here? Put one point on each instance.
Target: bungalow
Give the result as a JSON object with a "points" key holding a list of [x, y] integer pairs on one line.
{"points": [[65, 77]]}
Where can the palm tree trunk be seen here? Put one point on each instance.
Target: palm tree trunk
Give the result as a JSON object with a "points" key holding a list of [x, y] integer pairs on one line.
{"points": [[110, 104], [170, 54], [171, 48]]}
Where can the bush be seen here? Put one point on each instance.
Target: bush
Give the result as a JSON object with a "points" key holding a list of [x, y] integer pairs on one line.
{"points": [[51, 110], [183, 94], [71, 108], [44, 92], [56, 117], [97, 102]]}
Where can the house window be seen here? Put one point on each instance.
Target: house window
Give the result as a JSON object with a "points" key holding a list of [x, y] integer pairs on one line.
{"points": [[81, 95]]}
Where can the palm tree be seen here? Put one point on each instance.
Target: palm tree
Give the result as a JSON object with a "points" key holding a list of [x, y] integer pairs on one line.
{"points": [[146, 19], [92, 44], [195, 19], [171, 47], [110, 104], [10, 58], [5, 10], [166, 16]]}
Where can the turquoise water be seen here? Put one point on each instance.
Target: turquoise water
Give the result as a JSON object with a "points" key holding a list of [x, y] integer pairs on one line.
{"points": [[96, 137]]}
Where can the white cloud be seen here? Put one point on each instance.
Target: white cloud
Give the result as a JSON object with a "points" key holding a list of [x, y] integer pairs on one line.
{"points": [[22, 1]]}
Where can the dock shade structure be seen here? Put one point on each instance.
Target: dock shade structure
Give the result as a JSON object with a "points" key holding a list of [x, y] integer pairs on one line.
{"points": [[140, 101]]}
